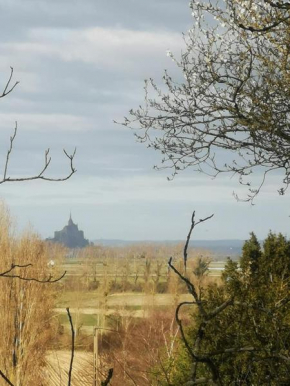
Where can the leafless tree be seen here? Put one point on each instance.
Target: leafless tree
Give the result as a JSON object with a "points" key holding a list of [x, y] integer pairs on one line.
{"points": [[230, 112]]}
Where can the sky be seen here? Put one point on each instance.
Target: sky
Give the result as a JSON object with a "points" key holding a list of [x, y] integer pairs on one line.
{"points": [[81, 65]]}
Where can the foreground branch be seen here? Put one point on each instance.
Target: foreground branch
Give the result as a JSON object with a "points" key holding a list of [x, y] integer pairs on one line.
{"points": [[193, 225], [47, 159], [8, 88], [40, 175], [5, 378], [72, 346], [107, 381], [205, 316], [9, 274]]}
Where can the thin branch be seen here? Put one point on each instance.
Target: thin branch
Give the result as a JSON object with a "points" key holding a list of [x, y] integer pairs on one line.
{"points": [[206, 316], [220, 308], [13, 266], [9, 151], [72, 346], [180, 325], [6, 89], [40, 175], [263, 29], [189, 285], [5, 378], [107, 381], [16, 276], [193, 225]]}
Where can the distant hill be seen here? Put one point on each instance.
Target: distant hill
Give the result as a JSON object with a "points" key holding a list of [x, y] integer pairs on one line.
{"points": [[218, 248]]}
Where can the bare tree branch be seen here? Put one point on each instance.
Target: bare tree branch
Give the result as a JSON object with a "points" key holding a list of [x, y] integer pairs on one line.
{"points": [[10, 275], [193, 225], [9, 151], [72, 346], [40, 175], [8, 90], [47, 159], [107, 381], [13, 266], [5, 378], [205, 316]]}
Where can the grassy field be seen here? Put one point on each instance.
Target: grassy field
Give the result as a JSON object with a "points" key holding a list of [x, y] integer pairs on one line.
{"points": [[88, 308], [88, 304], [94, 299], [120, 266]]}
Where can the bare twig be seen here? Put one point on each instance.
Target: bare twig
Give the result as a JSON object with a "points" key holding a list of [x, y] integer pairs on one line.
{"points": [[9, 151], [47, 159], [10, 275], [180, 325], [13, 266], [264, 28], [8, 90], [107, 381], [5, 378], [191, 288], [72, 346], [193, 225], [40, 175]]}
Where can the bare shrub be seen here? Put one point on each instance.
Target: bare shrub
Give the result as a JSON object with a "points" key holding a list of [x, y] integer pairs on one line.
{"points": [[139, 348]]}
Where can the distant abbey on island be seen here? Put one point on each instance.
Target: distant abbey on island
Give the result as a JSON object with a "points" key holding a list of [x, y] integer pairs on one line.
{"points": [[70, 236]]}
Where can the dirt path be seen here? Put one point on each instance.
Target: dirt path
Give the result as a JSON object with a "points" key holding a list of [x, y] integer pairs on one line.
{"points": [[58, 366], [96, 311]]}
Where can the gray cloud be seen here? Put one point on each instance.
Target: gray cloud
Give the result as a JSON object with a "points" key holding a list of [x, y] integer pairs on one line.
{"points": [[132, 14]]}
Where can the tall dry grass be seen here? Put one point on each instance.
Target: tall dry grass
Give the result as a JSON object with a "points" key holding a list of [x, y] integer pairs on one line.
{"points": [[25, 306]]}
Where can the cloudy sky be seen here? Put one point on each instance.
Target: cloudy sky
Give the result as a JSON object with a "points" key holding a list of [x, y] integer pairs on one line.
{"points": [[81, 65]]}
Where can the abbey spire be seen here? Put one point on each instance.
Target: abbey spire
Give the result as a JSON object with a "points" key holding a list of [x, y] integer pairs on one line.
{"points": [[70, 236]]}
